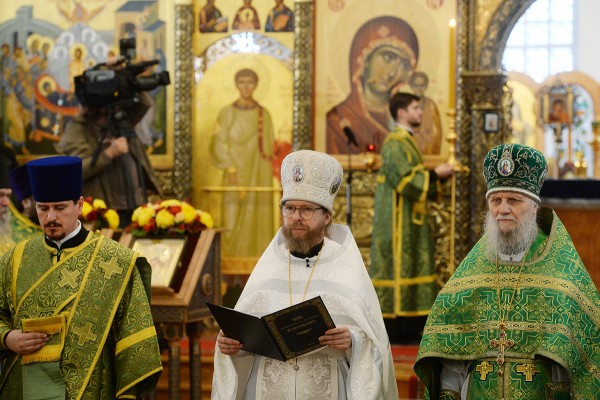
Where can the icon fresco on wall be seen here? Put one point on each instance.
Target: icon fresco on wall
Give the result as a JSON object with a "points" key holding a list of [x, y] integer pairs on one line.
{"points": [[280, 19], [230, 15], [243, 147], [429, 134], [383, 54], [210, 18], [246, 17], [368, 51], [40, 57], [244, 108]]}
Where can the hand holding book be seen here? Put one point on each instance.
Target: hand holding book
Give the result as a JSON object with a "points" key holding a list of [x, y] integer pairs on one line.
{"points": [[227, 345], [337, 338], [282, 335]]}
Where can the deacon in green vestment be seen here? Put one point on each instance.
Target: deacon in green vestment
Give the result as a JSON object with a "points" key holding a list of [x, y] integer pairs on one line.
{"points": [[520, 317], [402, 263], [75, 320]]}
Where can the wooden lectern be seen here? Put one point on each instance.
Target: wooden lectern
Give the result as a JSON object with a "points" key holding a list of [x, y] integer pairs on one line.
{"points": [[179, 308]]}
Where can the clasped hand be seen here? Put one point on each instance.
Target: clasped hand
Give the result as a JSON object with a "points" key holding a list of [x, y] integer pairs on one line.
{"points": [[337, 338]]}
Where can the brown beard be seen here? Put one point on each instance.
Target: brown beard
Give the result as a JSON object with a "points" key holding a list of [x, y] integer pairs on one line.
{"points": [[311, 238]]}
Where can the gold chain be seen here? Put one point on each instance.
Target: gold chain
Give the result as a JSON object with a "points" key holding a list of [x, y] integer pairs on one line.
{"points": [[504, 316], [503, 343], [314, 267]]}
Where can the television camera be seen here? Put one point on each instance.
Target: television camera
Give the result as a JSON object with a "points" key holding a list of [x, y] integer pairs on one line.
{"points": [[104, 85], [117, 87]]}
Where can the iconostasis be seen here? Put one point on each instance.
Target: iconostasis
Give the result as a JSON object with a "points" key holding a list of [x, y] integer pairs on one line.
{"points": [[363, 53]]}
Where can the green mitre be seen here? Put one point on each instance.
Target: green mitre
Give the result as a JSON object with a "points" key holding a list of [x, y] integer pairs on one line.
{"points": [[515, 168]]}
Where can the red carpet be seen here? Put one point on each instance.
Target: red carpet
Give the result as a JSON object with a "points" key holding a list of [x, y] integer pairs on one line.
{"points": [[405, 353]]}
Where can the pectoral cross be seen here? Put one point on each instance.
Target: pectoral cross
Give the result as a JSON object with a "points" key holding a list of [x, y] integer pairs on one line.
{"points": [[502, 344]]}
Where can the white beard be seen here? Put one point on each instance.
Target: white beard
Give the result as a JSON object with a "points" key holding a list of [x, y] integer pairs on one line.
{"points": [[6, 238], [510, 243]]}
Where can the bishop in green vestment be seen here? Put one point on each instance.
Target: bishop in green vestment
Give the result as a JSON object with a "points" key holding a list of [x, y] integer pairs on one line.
{"points": [[402, 263], [75, 320], [520, 317]]}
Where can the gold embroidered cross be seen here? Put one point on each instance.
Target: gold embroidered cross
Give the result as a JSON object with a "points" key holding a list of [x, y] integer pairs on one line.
{"points": [[69, 278], [502, 344], [484, 369], [528, 371], [84, 334], [110, 267]]}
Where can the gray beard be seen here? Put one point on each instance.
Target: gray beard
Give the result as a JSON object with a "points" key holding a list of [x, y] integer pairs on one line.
{"points": [[510, 243], [6, 228]]}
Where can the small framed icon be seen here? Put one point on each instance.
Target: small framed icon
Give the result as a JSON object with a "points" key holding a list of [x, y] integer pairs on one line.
{"points": [[163, 256], [491, 122]]}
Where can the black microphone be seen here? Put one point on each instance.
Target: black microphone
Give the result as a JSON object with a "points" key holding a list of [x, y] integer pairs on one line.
{"points": [[350, 136]]}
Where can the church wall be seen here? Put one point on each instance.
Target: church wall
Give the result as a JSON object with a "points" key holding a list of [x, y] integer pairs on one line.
{"points": [[587, 57]]}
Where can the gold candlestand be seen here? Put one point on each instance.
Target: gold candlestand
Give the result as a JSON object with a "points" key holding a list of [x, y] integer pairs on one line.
{"points": [[369, 158], [595, 144]]}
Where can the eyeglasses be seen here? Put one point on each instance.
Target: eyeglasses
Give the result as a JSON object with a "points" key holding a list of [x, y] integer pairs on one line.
{"points": [[305, 212]]}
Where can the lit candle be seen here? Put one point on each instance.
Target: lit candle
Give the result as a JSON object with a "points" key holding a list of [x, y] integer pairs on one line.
{"points": [[452, 67]]}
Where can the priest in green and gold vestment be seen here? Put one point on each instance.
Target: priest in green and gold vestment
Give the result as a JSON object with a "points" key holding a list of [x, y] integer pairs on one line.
{"points": [[402, 264], [24, 224], [14, 226], [6, 232], [75, 320], [520, 317]]}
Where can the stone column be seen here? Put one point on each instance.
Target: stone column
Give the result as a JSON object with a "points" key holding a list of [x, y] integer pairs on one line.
{"points": [[303, 75], [182, 107], [483, 93]]}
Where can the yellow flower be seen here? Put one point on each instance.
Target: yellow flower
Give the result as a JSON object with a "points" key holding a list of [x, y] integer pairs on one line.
{"points": [[179, 217], [189, 213], [170, 203], [164, 219], [99, 204], [136, 213], [206, 219], [86, 209], [112, 218], [145, 215]]}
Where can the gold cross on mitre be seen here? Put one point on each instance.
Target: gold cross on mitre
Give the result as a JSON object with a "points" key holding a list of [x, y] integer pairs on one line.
{"points": [[484, 369], [110, 267], [69, 278], [528, 371], [502, 344], [84, 333]]}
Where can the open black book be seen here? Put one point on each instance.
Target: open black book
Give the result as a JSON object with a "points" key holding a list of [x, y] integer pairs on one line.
{"points": [[282, 335]]}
